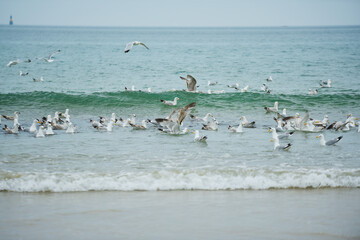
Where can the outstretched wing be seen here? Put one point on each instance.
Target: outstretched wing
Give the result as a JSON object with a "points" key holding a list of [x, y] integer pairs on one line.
{"points": [[143, 45], [191, 83], [52, 54], [184, 111]]}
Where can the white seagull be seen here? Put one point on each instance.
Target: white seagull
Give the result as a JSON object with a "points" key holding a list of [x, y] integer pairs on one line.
{"points": [[49, 58], [204, 119], [311, 92], [41, 79], [131, 44], [239, 129], [272, 109], [330, 142], [12, 63], [23, 74], [326, 84], [170, 103], [212, 83], [269, 79], [277, 145], [199, 138], [40, 132]]}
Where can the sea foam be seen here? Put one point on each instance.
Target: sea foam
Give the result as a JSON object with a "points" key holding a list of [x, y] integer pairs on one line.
{"points": [[241, 179]]}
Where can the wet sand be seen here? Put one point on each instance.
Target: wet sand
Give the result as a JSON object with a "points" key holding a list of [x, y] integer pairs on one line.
{"points": [[270, 214]]}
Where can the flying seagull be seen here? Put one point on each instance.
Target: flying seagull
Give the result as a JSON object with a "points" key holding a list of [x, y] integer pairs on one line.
{"points": [[12, 63], [49, 58], [190, 83], [131, 44]]}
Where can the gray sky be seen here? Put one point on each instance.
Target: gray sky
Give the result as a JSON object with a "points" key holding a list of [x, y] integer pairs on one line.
{"points": [[181, 12]]}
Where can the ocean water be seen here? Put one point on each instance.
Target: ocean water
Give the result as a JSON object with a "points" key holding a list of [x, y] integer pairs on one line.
{"points": [[89, 76], [90, 73]]}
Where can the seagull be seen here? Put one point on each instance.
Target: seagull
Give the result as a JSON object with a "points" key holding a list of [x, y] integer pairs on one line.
{"points": [[216, 92], [323, 122], [269, 79], [12, 63], [212, 125], [16, 116], [124, 122], [239, 129], [49, 130], [131, 44], [278, 147], [23, 74], [264, 87], [204, 119], [143, 125], [71, 128], [170, 103], [243, 89], [49, 58], [131, 90], [108, 127], [330, 142], [95, 124], [281, 136], [173, 122], [40, 132], [236, 85], [14, 130], [57, 126], [326, 84], [246, 123], [199, 138], [311, 92], [38, 80], [272, 109], [190, 83], [212, 83]]}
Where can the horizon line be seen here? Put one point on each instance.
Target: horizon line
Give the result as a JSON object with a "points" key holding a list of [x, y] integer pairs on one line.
{"points": [[109, 26]]}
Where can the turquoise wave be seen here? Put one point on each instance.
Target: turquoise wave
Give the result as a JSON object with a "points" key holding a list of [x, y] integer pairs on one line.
{"points": [[232, 100]]}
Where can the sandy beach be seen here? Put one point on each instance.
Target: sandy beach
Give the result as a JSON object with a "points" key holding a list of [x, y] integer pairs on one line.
{"points": [[271, 214]]}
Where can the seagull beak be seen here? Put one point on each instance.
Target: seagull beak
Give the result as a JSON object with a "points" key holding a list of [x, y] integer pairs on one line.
{"points": [[271, 140], [356, 118], [317, 136], [269, 130]]}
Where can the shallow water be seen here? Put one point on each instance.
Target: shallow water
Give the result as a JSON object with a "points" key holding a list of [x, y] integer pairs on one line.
{"points": [[90, 73]]}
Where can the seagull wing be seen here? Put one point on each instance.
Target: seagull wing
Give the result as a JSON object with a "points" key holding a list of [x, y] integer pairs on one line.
{"points": [[333, 141], [191, 83], [128, 47], [143, 45], [184, 111], [52, 54]]}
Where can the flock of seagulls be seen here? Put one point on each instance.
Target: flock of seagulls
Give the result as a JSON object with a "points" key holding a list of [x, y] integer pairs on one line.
{"points": [[284, 128], [48, 59], [41, 127]]}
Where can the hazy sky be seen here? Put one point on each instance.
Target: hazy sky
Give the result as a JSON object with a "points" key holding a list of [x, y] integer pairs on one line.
{"points": [[181, 12]]}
